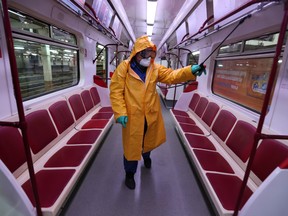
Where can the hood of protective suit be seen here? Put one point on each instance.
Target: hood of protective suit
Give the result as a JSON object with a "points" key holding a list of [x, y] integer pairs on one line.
{"points": [[141, 43]]}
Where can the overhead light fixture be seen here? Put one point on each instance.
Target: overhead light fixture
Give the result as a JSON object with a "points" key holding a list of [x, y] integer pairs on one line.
{"points": [[151, 11], [149, 29], [18, 48], [196, 52]]}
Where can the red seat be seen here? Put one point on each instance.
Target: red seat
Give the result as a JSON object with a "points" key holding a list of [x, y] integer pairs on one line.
{"points": [[186, 120], [102, 115], [84, 137], [50, 184], [189, 128], [210, 113], [212, 161], [95, 123], [77, 106], [95, 95], [201, 106], [87, 100], [61, 121], [227, 188], [270, 154], [11, 148], [202, 142], [194, 101], [180, 113], [241, 139], [106, 109], [68, 156], [40, 130], [223, 124]]}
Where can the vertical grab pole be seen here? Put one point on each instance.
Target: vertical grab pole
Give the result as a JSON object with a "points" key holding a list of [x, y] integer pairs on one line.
{"points": [[264, 107], [18, 97], [175, 88]]}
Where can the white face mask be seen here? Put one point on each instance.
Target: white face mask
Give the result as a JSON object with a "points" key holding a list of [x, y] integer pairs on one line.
{"points": [[145, 62]]}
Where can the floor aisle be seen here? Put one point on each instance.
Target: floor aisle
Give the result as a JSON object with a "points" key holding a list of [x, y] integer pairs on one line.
{"points": [[169, 188]]}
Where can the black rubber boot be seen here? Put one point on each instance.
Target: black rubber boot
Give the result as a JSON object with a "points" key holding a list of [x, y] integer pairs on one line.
{"points": [[147, 163], [129, 180]]}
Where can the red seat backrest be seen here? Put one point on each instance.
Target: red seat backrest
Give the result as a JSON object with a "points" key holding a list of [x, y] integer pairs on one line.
{"points": [[194, 101], [77, 106], [210, 113], [270, 154], [40, 130], [11, 148], [201, 106], [87, 100], [223, 124], [61, 115], [241, 139], [95, 95]]}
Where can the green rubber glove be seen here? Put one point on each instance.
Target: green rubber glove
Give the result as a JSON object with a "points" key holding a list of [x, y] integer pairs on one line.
{"points": [[122, 120], [198, 70]]}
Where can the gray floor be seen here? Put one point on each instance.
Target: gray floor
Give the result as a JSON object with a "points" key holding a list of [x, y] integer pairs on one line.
{"points": [[169, 188]]}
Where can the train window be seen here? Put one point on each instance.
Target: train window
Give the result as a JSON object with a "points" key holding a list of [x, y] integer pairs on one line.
{"points": [[231, 48], [243, 81], [242, 76], [23, 22], [44, 65], [63, 36], [263, 42], [101, 62], [44, 68], [193, 58]]}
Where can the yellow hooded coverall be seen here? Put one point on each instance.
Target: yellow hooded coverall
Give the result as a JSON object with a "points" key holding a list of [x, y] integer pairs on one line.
{"points": [[131, 97]]}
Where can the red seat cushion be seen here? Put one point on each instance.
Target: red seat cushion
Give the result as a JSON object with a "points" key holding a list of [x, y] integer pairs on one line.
{"points": [[84, 137], [212, 161], [95, 123], [227, 188], [186, 120], [50, 184], [189, 128], [201, 142], [68, 156], [102, 115], [106, 109], [180, 113]]}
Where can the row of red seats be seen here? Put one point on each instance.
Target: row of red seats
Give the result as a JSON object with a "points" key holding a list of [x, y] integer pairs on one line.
{"points": [[63, 136], [219, 142]]}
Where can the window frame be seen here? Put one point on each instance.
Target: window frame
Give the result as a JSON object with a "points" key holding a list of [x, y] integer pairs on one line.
{"points": [[51, 41]]}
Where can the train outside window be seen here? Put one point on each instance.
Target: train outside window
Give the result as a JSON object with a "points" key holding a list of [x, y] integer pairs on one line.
{"points": [[193, 58], [243, 78], [44, 66], [101, 62]]}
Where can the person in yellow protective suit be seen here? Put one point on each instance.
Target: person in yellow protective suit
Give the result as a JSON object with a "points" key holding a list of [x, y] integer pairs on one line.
{"points": [[136, 103]]}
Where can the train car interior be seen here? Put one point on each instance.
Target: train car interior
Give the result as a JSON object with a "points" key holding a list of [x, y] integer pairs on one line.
{"points": [[62, 146]]}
